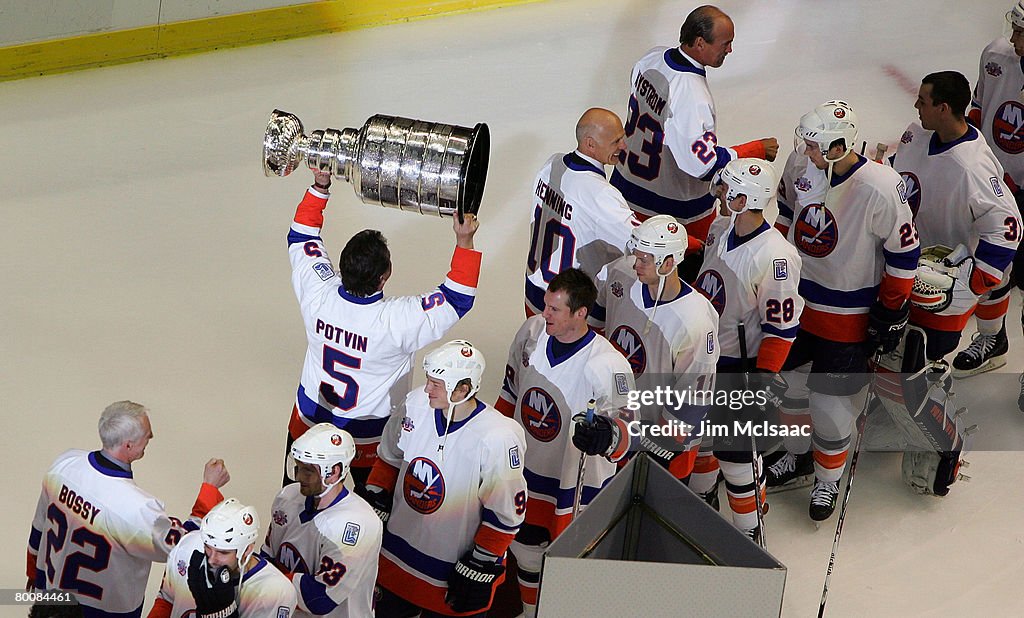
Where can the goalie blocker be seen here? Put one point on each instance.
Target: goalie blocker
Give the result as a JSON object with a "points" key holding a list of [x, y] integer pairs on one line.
{"points": [[915, 393]]}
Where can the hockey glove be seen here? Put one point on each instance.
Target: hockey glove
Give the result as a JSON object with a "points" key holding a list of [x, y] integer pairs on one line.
{"points": [[214, 592], [689, 266], [380, 500], [774, 387], [471, 584], [596, 437], [885, 327]]}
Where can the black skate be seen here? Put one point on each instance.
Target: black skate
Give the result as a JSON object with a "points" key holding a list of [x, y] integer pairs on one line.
{"points": [[790, 472], [986, 352], [823, 500]]}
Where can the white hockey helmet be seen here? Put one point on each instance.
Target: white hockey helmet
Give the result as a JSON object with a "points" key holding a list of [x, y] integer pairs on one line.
{"points": [[325, 446], [661, 236], [454, 362], [825, 124], [231, 525], [754, 178], [1015, 16]]}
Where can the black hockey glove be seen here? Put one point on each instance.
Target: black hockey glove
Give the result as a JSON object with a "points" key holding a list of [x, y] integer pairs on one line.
{"points": [[380, 500], [471, 584], [885, 328], [595, 437], [774, 387], [214, 593]]}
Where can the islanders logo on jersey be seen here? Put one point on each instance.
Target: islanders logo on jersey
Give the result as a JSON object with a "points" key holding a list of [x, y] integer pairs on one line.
{"points": [[423, 486], [629, 344], [993, 69], [290, 558], [540, 415], [913, 190], [711, 284], [1008, 127], [815, 231]]}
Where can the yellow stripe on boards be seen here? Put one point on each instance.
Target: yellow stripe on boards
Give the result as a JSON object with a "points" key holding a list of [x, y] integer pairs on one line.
{"points": [[198, 35]]}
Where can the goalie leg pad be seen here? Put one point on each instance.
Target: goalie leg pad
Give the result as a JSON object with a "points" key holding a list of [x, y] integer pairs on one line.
{"points": [[929, 472]]}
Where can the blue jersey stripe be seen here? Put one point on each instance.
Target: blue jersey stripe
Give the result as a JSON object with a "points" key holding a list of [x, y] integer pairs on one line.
{"points": [[357, 427], [294, 237], [428, 565], [853, 299], [490, 517], [461, 303], [314, 596], [548, 486], [906, 260], [683, 209], [995, 256], [785, 333]]}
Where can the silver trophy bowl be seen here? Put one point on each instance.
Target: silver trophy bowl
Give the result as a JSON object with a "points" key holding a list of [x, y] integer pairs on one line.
{"points": [[425, 167]]}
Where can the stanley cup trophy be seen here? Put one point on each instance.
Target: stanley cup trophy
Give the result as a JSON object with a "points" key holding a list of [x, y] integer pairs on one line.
{"points": [[426, 167]]}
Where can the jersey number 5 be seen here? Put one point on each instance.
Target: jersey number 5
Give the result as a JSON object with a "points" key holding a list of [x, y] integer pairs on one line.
{"points": [[96, 561], [333, 358], [651, 147]]}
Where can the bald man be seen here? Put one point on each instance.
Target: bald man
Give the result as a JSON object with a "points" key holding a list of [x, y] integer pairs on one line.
{"points": [[579, 220]]}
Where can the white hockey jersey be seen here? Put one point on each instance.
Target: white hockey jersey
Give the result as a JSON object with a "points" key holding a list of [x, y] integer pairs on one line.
{"points": [[682, 338], [859, 246], [802, 184], [360, 349], [332, 552], [96, 533], [753, 280], [451, 491], [998, 107], [672, 141], [264, 592], [543, 392], [579, 221], [957, 194]]}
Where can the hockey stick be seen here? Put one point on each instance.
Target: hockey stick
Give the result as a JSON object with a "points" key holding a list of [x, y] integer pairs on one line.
{"points": [[754, 466], [583, 465], [849, 484]]}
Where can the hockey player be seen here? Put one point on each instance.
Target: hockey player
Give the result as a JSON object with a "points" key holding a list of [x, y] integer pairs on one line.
{"points": [[449, 483], [998, 112], [361, 344], [667, 333], [323, 537], [859, 252], [214, 572], [671, 130], [955, 189], [556, 365], [95, 531], [751, 274], [579, 220]]}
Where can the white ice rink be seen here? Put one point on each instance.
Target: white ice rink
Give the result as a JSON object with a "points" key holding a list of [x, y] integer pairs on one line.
{"points": [[144, 252]]}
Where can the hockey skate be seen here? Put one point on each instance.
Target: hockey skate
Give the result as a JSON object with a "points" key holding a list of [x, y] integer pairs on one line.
{"points": [[986, 352], [754, 534], [790, 472], [711, 496], [823, 500], [1020, 397]]}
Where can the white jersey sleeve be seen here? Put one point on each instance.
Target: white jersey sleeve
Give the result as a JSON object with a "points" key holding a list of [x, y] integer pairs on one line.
{"points": [[502, 488]]}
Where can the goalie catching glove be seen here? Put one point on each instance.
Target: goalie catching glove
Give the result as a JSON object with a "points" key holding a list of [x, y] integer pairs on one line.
{"points": [[943, 281], [471, 584]]}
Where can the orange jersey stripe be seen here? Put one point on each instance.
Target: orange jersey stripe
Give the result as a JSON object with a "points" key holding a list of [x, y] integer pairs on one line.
{"points": [[683, 465], [465, 268], [993, 311], [542, 513], [366, 455], [835, 326], [705, 464], [493, 540], [383, 475], [310, 210], [894, 291], [418, 592], [742, 505], [505, 407], [297, 424], [772, 353], [952, 323]]}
